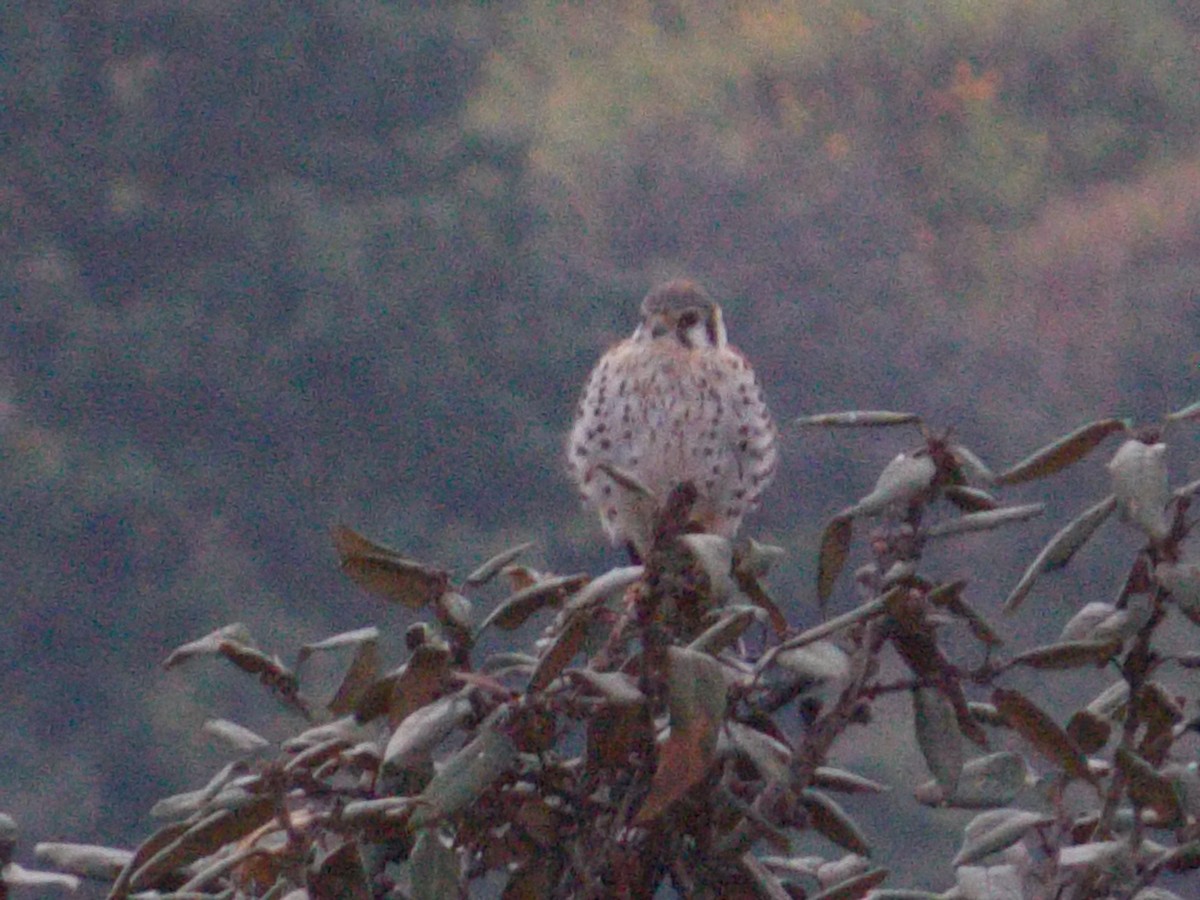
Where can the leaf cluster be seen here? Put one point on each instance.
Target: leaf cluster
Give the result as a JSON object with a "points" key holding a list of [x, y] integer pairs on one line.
{"points": [[666, 727]]}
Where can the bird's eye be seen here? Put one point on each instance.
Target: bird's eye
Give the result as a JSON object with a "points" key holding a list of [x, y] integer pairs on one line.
{"points": [[688, 319]]}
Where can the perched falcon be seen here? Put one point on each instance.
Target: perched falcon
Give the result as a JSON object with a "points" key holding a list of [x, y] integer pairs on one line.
{"points": [[672, 403]]}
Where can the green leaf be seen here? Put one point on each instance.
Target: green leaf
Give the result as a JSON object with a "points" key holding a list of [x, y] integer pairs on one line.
{"points": [[1182, 582], [488, 570], [600, 589], [465, 776], [354, 638], [938, 736], [984, 782], [435, 867], [713, 555], [617, 688], [730, 625], [236, 736], [996, 830], [846, 782], [769, 756], [17, 876], [984, 521], [1189, 413], [413, 740], [1058, 552], [949, 597], [1098, 854], [1139, 479], [903, 480], [86, 860], [210, 644], [969, 499], [861, 418]]}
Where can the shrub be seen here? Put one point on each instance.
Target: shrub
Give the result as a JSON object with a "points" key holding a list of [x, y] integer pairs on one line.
{"points": [[668, 728]]}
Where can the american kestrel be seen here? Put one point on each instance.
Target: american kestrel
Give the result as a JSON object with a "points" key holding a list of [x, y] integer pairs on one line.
{"points": [[672, 403]]}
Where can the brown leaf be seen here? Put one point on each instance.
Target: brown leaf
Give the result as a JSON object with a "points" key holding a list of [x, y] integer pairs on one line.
{"points": [[835, 547], [385, 573], [360, 675], [855, 887], [270, 671], [535, 880], [512, 612], [728, 627], [696, 700], [683, 762], [1041, 732], [617, 736], [971, 466], [1061, 453], [830, 820], [563, 649], [970, 499], [202, 839], [148, 849], [1068, 655], [420, 681], [1089, 731], [758, 595], [949, 597], [1150, 789], [1160, 713], [339, 873]]}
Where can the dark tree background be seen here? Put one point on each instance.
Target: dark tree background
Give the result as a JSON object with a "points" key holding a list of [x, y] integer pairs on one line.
{"points": [[268, 266]]}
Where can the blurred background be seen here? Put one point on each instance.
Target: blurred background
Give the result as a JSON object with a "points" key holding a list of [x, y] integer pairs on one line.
{"points": [[265, 267]]}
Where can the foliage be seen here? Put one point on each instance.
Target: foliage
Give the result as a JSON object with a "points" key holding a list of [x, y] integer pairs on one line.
{"points": [[667, 726], [267, 266]]}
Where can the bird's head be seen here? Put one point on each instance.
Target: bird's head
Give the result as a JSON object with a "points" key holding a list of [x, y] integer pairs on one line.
{"points": [[681, 311]]}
